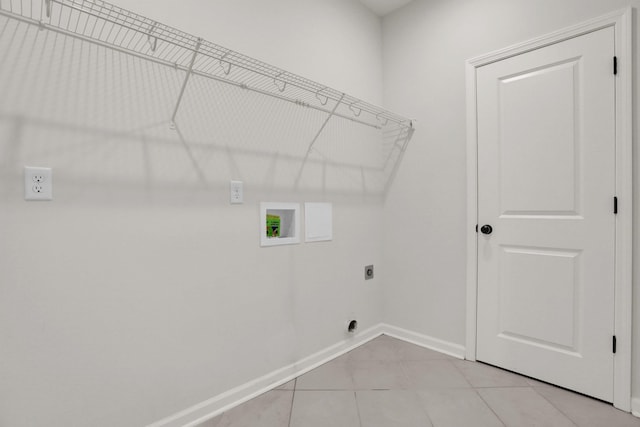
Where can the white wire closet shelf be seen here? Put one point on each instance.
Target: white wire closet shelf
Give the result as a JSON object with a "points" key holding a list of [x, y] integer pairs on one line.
{"points": [[106, 24], [89, 71]]}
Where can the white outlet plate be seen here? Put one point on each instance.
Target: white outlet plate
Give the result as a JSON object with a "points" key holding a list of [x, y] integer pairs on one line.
{"points": [[38, 183], [236, 192]]}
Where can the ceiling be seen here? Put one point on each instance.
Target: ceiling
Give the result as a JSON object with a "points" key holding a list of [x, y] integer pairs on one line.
{"points": [[383, 7]]}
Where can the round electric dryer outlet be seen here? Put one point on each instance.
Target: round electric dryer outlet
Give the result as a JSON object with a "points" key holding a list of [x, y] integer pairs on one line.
{"points": [[368, 272]]}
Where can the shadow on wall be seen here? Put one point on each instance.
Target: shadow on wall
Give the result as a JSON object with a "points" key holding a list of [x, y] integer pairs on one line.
{"points": [[101, 115]]}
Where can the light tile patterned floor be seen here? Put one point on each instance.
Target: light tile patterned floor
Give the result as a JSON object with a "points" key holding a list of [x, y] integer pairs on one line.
{"points": [[391, 383]]}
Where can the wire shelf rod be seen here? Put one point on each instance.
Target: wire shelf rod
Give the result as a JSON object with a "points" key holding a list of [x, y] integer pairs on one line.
{"points": [[132, 21], [249, 64], [283, 98], [111, 26], [182, 68], [65, 32]]}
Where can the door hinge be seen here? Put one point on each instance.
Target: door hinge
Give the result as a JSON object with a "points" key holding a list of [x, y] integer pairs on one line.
{"points": [[614, 344], [615, 65], [615, 205]]}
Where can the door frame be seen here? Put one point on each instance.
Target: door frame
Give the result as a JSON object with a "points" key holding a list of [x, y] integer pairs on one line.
{"points": [[621, 21]]}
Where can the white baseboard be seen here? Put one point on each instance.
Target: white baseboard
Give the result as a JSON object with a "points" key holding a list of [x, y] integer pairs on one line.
{"points": [[446, 347], [213, 407], [635, 406]]}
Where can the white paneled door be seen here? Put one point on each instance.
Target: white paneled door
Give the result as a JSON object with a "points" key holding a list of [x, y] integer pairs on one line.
{"points": [[546, 237]]}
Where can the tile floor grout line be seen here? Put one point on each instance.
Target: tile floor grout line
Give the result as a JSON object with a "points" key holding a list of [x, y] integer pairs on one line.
{"points": [[490, 407], [293, 398], [462, 373], [423, 406], [355, 397], [575, 423], [501, 386]]}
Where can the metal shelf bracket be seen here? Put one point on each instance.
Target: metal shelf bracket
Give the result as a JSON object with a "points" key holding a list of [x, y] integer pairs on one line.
{"points": [[151, 40], [186, 80]]}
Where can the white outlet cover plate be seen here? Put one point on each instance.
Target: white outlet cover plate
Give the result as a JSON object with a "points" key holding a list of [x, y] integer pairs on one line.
{"points": [[236, 192], [38, 183]]}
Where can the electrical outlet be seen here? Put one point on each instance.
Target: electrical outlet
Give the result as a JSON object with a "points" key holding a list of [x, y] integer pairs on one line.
{"points": [[368, 272], [236, 196], [38, 183]]}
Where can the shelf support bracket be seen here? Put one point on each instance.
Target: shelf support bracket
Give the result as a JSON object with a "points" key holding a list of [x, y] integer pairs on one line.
{"points": [[407, 134], [151, 40], [404, 134], [315, 138], [186, 80]]}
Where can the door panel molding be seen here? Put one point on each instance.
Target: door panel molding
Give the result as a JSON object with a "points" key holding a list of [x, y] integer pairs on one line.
{"points": [[621, 21]]}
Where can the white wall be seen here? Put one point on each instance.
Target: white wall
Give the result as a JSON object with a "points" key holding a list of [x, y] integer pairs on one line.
{"points": [[140, 291], [426, 45]]}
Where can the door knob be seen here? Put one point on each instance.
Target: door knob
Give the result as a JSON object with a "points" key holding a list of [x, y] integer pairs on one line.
{"points": [[486, 229]]}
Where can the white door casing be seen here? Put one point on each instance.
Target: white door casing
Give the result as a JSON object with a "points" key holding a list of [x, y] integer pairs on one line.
{"points": [[548, 188]]}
